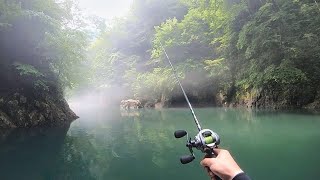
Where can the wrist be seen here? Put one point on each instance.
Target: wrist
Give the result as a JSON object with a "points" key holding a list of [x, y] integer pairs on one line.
{"points": [[241, 176], [234, 173]]}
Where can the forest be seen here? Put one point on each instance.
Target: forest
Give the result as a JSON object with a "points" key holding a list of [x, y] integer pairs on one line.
{"points": [[253, 53], [234, 53]]}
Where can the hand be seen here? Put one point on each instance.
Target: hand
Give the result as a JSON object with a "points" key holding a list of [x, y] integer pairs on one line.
{"points": [[223, 165]]}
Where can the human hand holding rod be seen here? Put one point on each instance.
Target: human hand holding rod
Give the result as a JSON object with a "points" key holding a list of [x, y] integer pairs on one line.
{"points": [[224, 166]]}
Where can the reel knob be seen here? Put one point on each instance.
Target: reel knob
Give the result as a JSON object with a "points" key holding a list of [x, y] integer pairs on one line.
{"points": [[217, 139], [180, 133], [187, 159]]}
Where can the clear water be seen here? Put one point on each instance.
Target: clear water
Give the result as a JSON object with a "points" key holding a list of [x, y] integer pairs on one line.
{"points": [[108, 144]]}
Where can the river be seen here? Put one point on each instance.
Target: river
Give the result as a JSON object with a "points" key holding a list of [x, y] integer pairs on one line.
{"points": [[109, 144]]}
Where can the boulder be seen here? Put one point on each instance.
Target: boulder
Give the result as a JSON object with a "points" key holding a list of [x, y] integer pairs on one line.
{"points": [[19, 110], [130, 104]]}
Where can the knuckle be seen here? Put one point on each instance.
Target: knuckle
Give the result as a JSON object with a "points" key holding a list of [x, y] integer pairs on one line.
{"points": [[226, 152]]}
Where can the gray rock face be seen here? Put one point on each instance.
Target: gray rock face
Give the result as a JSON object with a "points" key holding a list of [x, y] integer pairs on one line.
{"points": [[5, 121], [18, 110], [275, 99], [316, 103]]}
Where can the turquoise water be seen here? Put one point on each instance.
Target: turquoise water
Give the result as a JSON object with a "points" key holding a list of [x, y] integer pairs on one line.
{"points": [[114, 145]]}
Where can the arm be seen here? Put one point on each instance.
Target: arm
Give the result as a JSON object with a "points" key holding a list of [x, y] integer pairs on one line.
{"points": [[241, 176]]}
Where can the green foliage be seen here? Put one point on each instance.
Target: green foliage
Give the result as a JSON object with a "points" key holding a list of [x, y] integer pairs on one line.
{"points": [[41, 85], [122, 54], [238, 46], [45, 41], [217, 67], [235, 46], [27, 70], [274, 38], [68, 50]]}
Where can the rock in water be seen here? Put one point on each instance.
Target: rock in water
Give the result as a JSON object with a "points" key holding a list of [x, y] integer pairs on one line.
{"points": [[130, 104]]}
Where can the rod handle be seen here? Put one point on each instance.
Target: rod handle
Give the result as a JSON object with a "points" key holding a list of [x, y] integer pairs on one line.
{"points": [[210, 154]]}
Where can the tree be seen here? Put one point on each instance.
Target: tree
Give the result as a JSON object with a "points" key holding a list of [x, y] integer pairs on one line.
{"points": [[41, 43]]}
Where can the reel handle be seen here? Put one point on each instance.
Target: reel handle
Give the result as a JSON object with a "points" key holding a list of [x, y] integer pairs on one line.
{"points": [[187, 159], [180, 133]]}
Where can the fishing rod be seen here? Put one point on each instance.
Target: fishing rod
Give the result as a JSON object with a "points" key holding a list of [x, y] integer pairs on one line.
{"points": [[206, 140]]}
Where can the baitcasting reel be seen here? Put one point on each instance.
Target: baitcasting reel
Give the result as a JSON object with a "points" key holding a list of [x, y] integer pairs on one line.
{"points": [[206, 140]]}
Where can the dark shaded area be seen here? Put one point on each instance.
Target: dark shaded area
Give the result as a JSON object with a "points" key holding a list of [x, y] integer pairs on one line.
{"points": [[21, 43], [43, 154], [31, 153], [31, 71]]}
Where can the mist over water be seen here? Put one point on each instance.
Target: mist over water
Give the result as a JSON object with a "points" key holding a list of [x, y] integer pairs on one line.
{"points": [[98, 98], [261, 141], [107, 143]]}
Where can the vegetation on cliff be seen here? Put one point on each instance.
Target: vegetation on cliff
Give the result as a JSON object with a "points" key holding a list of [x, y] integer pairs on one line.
{"points": [[258, 53], [43, 45]]}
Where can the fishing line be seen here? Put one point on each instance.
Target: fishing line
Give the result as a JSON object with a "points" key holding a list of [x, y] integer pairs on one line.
{"points": [[206, 140], [184, 93]]}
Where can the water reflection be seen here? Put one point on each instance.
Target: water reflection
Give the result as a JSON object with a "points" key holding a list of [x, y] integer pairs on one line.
{"points": [[30, 154], [145, 142], [110, 144]]}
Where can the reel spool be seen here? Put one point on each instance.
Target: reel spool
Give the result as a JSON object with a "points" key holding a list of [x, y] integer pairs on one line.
{"points": [[206, 140]]}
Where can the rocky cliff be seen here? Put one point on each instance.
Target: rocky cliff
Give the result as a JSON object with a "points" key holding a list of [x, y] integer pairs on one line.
{"points": [[22, 110]]}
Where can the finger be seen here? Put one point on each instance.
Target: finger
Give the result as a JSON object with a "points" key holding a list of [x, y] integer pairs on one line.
{"points": [[207, 170], [211, 174], [217, 151], [207, 162]]}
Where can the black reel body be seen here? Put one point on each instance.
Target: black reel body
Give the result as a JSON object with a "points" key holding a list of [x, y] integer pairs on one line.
{"points": [[206, 140]]}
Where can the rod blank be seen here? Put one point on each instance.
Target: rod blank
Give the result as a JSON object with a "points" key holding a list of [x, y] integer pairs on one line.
{"points": [[184, 93]]}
